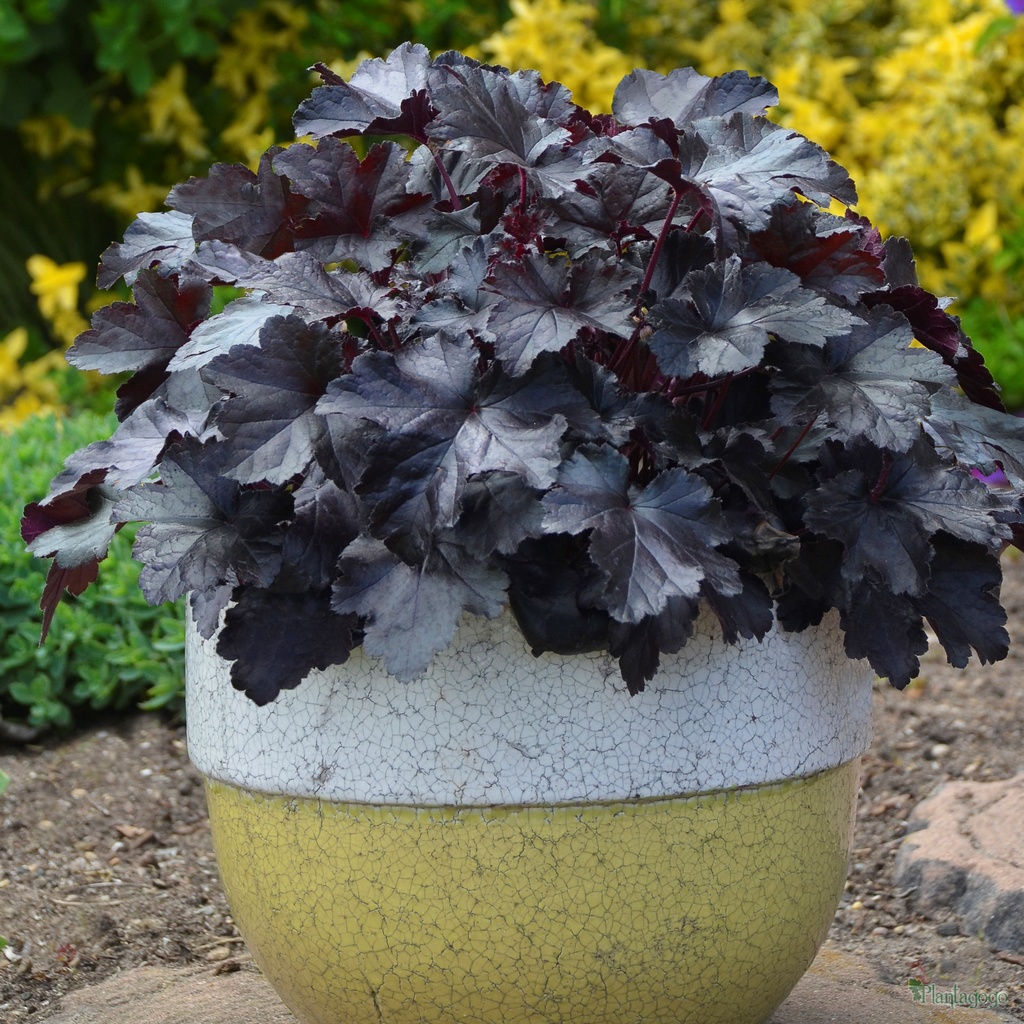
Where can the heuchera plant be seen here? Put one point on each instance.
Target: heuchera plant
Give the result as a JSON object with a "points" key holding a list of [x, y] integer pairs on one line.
{"points": [[500, 350]]}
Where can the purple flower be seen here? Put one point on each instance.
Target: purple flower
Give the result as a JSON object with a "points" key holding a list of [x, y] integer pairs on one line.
{"points": [[1016, 6]]}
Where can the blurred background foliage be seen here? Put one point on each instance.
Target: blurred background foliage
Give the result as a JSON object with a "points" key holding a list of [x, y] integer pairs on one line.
{"points": [[105, 105]]}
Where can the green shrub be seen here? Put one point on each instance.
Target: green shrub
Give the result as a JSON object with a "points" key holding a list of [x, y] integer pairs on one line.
{"points": [[108, 649]]}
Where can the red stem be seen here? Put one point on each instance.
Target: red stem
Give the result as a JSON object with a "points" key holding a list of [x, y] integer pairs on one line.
{"points": [[449, 184], [793, 447]]}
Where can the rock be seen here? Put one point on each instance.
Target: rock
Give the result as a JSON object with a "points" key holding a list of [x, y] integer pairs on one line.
{"points": [[961, 855], [164, 995], [838, 989], [842, 989]]}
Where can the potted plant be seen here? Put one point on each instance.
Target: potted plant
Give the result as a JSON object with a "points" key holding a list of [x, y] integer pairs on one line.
{"points": [[549, 488]]}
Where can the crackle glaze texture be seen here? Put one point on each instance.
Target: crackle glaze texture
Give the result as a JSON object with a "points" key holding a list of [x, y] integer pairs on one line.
{"points": [[704, 910], [516, 840], [491, 724]]}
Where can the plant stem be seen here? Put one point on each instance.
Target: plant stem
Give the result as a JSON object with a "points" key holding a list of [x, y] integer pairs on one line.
{"points": [[883, 478], [793, 447], [658, 246], [446, 178]]}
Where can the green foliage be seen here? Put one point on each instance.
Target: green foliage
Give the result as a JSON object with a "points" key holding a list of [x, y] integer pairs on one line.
{"points": [[107, 649], [997, 332]]}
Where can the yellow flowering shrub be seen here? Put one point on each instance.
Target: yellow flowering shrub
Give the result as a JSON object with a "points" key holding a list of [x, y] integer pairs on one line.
{"points": [[557, 38]]}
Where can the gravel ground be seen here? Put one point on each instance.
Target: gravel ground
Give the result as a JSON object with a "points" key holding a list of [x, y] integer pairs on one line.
{"points": [[106, 862]]}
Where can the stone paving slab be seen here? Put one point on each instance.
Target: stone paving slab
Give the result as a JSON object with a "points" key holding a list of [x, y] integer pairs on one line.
{"points": [[838, 989], [962, 854]]}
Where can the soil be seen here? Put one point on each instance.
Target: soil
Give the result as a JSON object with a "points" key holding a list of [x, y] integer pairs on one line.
{"points": [[106, 860]]}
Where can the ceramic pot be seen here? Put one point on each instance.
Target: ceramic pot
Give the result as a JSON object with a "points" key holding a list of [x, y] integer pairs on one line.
{"points": [[516, 839]]}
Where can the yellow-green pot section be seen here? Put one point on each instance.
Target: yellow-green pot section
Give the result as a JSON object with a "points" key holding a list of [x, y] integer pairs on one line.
{"points": [[704, 909]]}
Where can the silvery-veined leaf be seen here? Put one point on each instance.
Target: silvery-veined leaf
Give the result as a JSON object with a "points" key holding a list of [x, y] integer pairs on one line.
{"points": [[978, 434], [614, 202], [134, 449], [482, 113], [445, 422], [300, 281], [239, 323], [204, 530], [935, 329]]}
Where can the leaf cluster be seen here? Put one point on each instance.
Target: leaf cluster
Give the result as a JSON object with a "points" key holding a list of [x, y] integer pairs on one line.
{"points": [[604, 369], [110, 649]]}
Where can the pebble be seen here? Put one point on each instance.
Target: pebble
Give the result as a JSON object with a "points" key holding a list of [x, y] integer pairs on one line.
{"points": [[938, 751], [947, 928]]}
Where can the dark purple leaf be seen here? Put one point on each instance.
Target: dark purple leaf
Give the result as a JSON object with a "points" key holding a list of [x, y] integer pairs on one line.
{"points": [[962, 602], [382, 97], [412, 611], [299, 280], [326, 521], [58, 580], [886, 510], [162, 238], [355, 206], [269, 418], [683, 95], [235, 205], [639, 646], [870, 384], [840, 255], [204, 530], [721, 318], [616, 202], [899, 264], [134, 449], [884, 628], [207, 607], [546, 575], [458, 424], [979, 435], [748, 614], [499, 512], [490, 115], [239, 323], [648, 545], [276, 639], [935, 329], [76, 527], [145, 334], [752, 163], [546, 302]]}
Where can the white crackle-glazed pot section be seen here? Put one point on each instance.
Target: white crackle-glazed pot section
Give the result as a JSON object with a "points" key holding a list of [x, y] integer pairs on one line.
{"points": [[516, 839]]}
